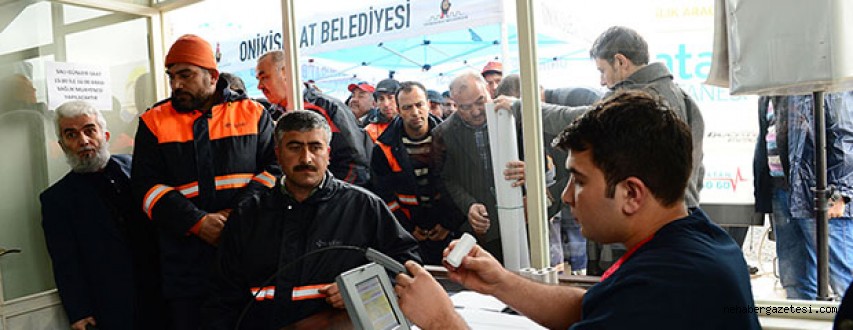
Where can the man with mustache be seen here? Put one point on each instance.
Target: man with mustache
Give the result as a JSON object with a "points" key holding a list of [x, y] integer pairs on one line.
{"points": [[464, 159], [361, 102], [349, 144], [103, 250], [307, 210], [198, 154], [403, 166]]}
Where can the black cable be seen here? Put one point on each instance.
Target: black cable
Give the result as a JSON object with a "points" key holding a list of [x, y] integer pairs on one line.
{"points": [[288, 265]]}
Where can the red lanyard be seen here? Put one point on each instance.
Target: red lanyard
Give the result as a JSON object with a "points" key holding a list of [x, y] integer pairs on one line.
{"points": [[613, 268]]}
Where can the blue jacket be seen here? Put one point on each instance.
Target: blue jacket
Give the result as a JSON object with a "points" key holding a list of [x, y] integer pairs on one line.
{"points": [[795, 113]]}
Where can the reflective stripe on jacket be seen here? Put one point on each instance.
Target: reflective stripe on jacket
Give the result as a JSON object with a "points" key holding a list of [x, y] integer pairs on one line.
{"points": [[189, 164]]}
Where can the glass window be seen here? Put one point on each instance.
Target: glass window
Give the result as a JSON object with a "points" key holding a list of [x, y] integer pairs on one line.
{"points": [[35, 160]]}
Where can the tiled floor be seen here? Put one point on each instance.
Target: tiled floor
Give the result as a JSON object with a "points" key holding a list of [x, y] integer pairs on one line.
{"points": [[760, 252]]}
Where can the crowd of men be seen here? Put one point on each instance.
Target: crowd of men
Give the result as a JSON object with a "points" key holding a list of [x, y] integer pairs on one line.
{"points": [[225, 215]]}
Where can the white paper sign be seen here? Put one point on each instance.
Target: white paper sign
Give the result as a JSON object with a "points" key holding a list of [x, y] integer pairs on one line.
{"points": [[71, 81]]}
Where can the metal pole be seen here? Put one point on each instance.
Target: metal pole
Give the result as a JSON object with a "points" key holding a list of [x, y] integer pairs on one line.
{"points": [[291, 55], [534, 154], [821, 205], [507, 64]]}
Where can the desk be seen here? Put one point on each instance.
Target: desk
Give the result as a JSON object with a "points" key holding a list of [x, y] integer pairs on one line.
{"points": [[337, 319], [440, 274]]}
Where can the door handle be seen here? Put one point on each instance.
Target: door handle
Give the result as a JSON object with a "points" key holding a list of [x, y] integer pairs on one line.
{"points": [[4, 252]]}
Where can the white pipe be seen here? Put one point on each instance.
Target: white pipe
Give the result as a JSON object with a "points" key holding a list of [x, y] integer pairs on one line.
{"points": [[510, 202]]}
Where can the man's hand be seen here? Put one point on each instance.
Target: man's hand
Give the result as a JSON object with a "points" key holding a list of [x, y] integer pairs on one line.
{"points": [[504, 102], [438, 233], [211, 226], [836, 209], [478, 217], [424, 302], [479, 271], [420, 234], [333, 296], [515, 171], [82, 323]]}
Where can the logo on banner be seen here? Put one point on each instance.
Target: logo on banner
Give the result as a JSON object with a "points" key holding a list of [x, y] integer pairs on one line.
{"points": [[724, 180], [445, 7], [446, 15]]}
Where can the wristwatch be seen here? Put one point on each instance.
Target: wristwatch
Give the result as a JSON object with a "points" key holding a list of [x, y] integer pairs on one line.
{"points": [[836, 196]]}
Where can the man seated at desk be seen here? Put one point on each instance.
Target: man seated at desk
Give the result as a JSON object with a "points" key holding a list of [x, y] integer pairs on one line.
{"points": [[309, 209], [630, 160]]}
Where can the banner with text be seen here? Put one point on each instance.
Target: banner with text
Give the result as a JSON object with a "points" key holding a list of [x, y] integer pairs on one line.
{"points": [[390, 20]]}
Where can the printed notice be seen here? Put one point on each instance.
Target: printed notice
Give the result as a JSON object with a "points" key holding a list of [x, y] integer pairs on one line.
{"points": [[71, 81]]}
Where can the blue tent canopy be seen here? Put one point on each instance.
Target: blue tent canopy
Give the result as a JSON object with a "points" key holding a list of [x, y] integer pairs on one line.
{"points": [[433, 57]]}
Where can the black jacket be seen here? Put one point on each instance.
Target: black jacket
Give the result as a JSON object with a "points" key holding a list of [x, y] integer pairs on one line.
{"points": [[186, 165], [349, 159], [271, 231], [395, 183], [104, 253]]}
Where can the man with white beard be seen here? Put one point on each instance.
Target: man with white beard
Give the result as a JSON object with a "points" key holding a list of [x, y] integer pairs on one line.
{"points": [[104, 251]]}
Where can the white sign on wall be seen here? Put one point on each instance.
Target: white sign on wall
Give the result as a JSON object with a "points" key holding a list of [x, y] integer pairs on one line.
{"points": [[71, 81]]}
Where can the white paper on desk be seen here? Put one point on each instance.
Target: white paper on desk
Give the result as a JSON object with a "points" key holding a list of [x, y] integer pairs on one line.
{"points": [[474, 300], [487, 320]]}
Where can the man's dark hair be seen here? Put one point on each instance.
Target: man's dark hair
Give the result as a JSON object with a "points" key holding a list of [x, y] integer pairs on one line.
{"points": [[234, 82], [620, 40], [633, 134], [303, 121], [408, 87], [509, 86]]}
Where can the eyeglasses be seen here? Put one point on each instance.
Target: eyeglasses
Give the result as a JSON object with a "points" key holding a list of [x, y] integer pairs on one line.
{"points": [[466, 107]]}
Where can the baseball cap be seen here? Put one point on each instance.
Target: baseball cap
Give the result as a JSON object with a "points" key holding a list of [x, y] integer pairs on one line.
{"points": [[493, 66], [387, 86], [434, 96], [362, 85]]}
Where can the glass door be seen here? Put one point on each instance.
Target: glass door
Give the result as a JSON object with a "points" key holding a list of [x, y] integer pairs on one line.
{"points": [[34, 37]]}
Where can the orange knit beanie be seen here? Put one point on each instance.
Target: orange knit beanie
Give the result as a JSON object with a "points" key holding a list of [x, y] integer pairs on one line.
{"points": [[191, 49]]}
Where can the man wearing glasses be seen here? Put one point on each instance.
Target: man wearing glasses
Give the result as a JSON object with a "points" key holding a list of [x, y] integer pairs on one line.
{"points": [[462, 144]]}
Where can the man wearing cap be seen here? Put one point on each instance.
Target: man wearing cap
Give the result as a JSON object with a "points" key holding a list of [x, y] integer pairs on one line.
{"points": [[362, 103], [493, 73], [406, 179], [197, 155], [435, 102], [348, 161], [386, 99]]}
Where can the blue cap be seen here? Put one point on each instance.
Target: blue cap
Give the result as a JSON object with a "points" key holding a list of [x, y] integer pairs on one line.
{"points": [[434, 96]]}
